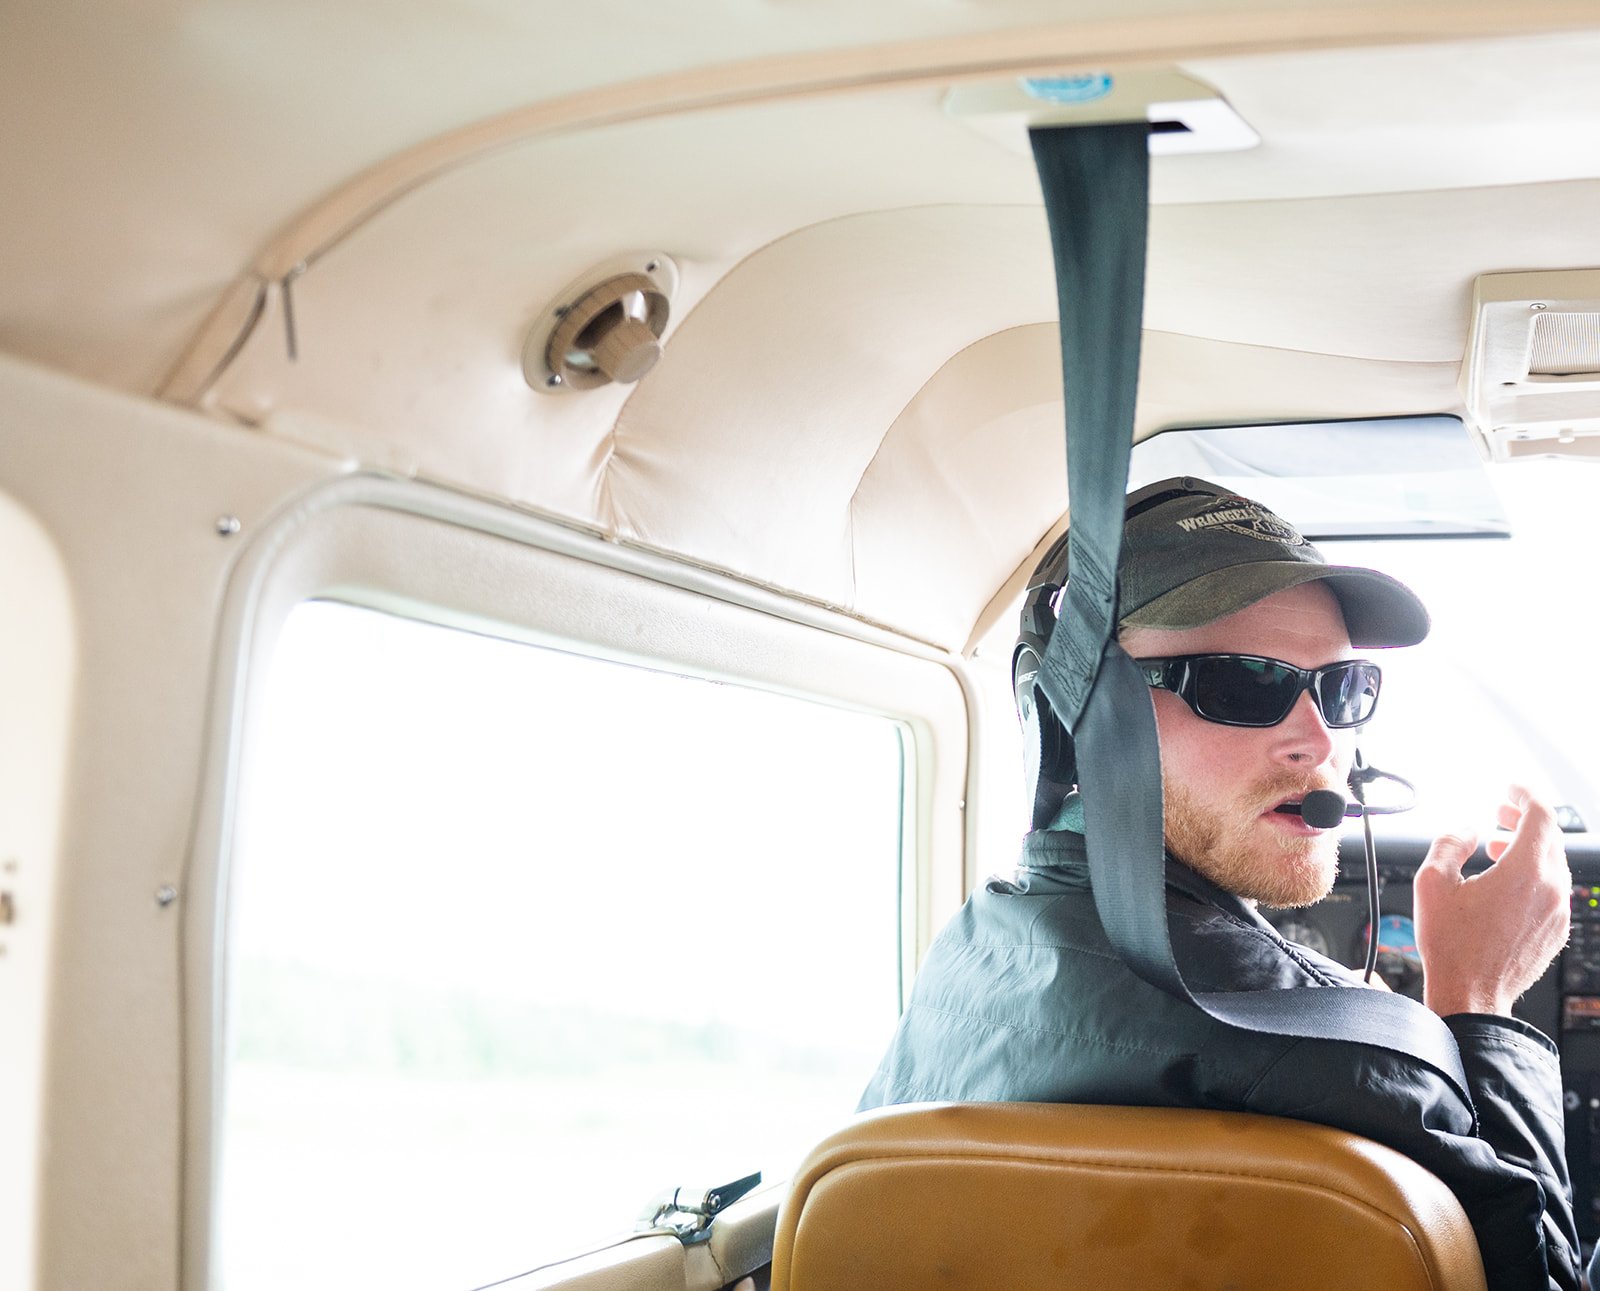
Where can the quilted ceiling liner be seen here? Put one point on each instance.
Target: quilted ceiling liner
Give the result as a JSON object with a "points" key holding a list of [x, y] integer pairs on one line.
{"points": [[858, 401]]}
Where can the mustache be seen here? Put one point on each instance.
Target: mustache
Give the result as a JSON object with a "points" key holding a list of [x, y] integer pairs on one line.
{"points": [[1273, 789]]}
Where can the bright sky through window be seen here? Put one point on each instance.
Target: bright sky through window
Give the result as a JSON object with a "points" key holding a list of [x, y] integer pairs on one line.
{"points": [[521, 938]]}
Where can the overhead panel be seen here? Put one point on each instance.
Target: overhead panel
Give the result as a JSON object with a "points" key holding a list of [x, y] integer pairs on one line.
{"points": [[1531, 376]]}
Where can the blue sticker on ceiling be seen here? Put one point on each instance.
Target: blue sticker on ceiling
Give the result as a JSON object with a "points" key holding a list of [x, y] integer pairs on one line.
{"points": [[1068, 89]]}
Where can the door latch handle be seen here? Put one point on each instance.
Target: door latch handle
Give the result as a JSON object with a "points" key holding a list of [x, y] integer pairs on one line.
{"points": [[687, 1213]]}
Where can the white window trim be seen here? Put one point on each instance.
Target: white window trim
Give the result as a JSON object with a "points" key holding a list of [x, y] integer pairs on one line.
{"points": [[435, 555]]}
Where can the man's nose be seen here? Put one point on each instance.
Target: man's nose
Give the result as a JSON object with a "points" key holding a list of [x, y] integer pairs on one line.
{"points": [[1305, 736]]}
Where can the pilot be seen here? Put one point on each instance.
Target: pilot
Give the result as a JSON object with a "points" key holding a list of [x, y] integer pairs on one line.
{"points": [[1249, 640]]}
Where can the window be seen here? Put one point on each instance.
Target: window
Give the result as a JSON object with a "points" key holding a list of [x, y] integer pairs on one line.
{"points": [[1495, 550], [1494, 693], [519, 939]]}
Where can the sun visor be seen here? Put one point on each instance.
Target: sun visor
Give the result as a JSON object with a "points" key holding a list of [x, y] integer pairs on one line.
{"points": [[1531, 377], [1380, 477]]}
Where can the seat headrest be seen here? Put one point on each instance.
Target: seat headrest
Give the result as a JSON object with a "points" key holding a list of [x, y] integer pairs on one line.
{"points": [[1014, 1196]]}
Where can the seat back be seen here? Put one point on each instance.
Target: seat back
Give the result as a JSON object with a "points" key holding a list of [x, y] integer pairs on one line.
{"points": [[1007, 1196]]}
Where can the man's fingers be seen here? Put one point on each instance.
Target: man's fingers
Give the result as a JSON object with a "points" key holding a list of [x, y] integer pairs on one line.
{"points": [[1524, 804], [1533, 826], [1452, 849], [1447, 855]]}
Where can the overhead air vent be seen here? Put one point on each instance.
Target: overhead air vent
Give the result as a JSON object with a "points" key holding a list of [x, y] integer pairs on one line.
{"points": [[1531, 377], [606, 327]]}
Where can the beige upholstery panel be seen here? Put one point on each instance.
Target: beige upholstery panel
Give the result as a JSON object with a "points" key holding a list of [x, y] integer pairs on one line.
{"points": [[193, 132], [1007, 1197], [1189, 381], [973, 471], [1454, 114], [968, 475], [836, 394], [130, 494], [757, 475], [1391, 274]]}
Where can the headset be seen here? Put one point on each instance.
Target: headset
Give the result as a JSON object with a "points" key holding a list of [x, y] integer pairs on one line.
{"points": [[1050, 760]]}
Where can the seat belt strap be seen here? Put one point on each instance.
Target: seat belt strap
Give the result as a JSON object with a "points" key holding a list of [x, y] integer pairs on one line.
{"points": [[1096, 189]]}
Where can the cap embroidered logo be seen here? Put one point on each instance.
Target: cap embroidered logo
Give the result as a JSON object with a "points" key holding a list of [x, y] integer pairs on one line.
{"points": [[1247, 519]]}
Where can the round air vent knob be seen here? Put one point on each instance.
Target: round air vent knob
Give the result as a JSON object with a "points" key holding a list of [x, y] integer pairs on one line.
{"points": [[612, 332], [627, 350]]}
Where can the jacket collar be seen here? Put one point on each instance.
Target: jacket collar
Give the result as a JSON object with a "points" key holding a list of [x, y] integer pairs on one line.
{"points": [[1057, 860]]}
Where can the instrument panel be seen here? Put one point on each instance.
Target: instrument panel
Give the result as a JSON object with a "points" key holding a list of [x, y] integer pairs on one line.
{"points": [[1564, 1003]]}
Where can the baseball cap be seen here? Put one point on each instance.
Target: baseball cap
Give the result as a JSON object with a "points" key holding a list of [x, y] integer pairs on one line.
{"points": [[1193, 552]]}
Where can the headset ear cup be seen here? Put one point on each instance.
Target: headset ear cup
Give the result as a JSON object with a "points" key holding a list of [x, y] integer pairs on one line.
{"points": [[1058, 757], [1050, 757], [1032, 753], [1048, 747], [1024, 681], [1050, 761]]}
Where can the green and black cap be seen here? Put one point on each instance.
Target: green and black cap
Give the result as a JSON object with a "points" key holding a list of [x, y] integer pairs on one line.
{"points": [[1193, 553]]}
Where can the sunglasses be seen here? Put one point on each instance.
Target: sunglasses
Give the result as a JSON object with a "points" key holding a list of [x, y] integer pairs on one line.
{"points": [[1248, 690]]}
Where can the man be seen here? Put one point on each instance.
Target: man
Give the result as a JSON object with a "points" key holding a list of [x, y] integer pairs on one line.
{"points": [[1022, 998]]}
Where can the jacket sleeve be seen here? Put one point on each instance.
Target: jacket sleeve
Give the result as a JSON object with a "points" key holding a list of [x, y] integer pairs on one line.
{"points": [[1506, 1164]]}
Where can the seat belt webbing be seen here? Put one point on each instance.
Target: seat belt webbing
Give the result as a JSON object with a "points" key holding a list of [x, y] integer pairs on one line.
{"points": [[1096, 186]]}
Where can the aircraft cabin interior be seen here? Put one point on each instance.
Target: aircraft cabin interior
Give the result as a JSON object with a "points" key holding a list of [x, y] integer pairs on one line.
{"points": [[513, 525]]}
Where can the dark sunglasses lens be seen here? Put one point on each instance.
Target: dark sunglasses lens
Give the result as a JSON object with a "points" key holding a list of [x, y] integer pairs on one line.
{"points": [[1244, 692], [1348, 694]]}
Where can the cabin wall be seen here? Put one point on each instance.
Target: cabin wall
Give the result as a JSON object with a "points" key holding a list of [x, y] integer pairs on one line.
{"points": [[129, 495], [150, 558], [36, 674]]}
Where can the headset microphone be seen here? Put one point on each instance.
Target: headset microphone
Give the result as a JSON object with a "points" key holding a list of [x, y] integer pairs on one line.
{"points": [[1363, 773], [1323, 808]]}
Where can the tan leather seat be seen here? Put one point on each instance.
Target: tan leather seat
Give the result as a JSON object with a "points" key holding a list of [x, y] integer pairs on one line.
{"points": [[1025, 1195]]}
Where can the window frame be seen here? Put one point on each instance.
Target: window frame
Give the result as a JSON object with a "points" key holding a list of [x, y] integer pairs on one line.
{"points": [[39, 659], [427, 553]]}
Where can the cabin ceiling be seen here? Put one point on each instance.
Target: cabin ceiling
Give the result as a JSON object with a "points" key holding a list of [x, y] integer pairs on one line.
{"points": [[858, 401]]}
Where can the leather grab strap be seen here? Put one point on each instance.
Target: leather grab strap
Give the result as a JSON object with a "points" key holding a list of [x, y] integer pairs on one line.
{"points": [[1096, 189]]}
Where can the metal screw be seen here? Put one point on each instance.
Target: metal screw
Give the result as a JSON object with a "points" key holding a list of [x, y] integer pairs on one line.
{"points": [[1538, 304], [166, 894], [652, 266], [227, 526], [554, 379]]}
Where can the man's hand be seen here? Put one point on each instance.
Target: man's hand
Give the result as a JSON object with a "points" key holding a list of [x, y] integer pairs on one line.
{"points": [[1487, 939]]}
